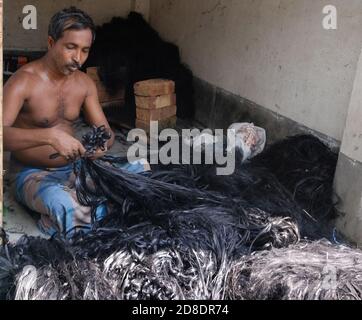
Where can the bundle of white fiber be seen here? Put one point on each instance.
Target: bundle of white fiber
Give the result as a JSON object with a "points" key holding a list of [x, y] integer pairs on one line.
{"points": [[129, 275], [306, 271]]}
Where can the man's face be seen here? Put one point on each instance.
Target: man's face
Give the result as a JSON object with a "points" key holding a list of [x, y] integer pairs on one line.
{"points": [[71, 51]]}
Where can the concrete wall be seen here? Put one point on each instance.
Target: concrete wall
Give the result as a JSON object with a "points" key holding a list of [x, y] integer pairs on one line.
{"points": [[348, 181], [15, 37], [352, 138], [218, 108], [274, 53]]}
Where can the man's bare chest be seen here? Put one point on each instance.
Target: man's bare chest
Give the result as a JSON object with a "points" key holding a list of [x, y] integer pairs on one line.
{"points": [[46, 108]]}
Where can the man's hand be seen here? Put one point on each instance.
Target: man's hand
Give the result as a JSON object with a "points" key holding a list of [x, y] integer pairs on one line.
{"points": [[66, 145], [99, 153]]}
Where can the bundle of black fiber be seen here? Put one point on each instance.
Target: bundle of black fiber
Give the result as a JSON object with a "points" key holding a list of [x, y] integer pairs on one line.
{"points": [[306, 167], [306, 271], [116, 184], [270, 196], [255, 186], [218, 229], [191, 216], [221, 230], [129, 50], [96, 138]]}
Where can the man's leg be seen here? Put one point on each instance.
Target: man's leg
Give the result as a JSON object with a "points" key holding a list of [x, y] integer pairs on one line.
{"points": [[51, 194]]}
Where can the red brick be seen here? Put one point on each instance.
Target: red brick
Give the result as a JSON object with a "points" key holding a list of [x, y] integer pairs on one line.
{"points": [[163, 124], [155, 114], [154, 87], [156, 102]]}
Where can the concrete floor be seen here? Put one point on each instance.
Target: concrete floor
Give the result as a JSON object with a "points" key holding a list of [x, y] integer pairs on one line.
{"points": [[17, 220]]}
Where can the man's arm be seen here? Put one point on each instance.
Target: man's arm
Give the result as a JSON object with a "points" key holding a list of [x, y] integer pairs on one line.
{"points": [[16, 92], [15, 139], [93, 111]]}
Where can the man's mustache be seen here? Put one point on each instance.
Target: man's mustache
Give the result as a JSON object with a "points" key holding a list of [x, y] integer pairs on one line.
{"points": [[75, 65]]}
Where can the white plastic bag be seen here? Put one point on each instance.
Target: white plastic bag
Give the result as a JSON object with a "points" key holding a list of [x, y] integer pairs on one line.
{"points": [[250, 140]]}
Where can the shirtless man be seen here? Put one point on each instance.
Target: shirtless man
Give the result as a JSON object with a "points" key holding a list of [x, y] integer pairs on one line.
{"points": [[41, 102], [44, 98]]}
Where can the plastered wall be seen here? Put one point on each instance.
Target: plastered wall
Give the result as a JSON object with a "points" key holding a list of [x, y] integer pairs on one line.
{"points": [[275, 53]]}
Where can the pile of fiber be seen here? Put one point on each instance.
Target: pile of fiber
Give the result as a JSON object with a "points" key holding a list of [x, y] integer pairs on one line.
{"points": [[127, 275], [306, 271], [128, 50], [306, 167], [182, 232], [181, 259]]}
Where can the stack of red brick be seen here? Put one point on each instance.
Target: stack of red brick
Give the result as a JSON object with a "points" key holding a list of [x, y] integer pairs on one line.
{"points": [[155, 101]]}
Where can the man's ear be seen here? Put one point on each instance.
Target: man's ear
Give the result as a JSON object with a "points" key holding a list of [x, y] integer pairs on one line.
{"points": [[51, 42]]}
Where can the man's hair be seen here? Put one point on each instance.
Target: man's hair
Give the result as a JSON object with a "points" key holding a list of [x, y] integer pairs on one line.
{"points": [[70, 19]]}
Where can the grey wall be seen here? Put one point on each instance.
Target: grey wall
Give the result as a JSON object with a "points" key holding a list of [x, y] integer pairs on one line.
{"points": [[352, 139], [274, 53], [15, 37], [348, 181]]}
